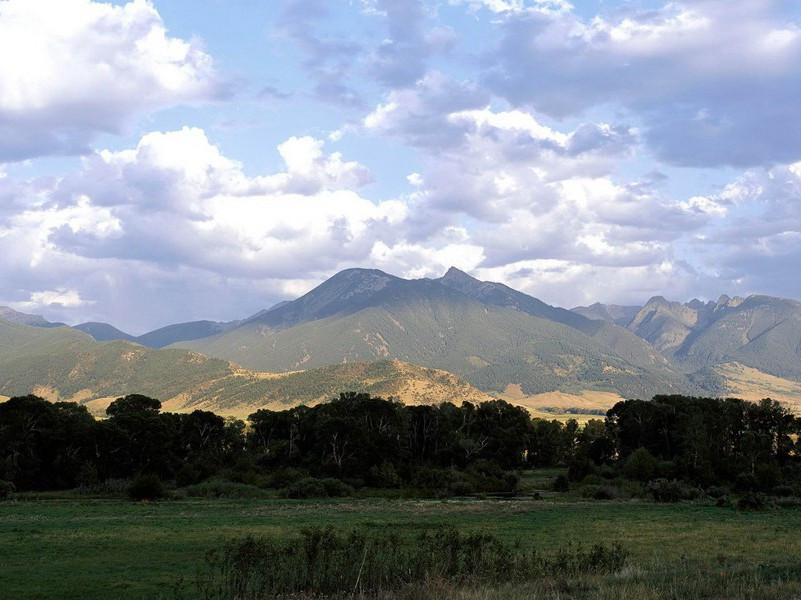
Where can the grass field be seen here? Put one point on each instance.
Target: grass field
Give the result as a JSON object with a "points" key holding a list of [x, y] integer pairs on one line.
{"points": [[116, 549]]}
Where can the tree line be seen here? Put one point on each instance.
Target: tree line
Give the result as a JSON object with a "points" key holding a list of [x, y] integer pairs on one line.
{"points": [[357, 441]]}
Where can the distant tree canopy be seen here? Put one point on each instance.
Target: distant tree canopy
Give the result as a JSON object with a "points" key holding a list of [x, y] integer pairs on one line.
{"points": [[368, 441]]}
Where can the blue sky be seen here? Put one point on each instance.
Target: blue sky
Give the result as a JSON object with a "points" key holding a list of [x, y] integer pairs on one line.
{"points": [[170, 160]]}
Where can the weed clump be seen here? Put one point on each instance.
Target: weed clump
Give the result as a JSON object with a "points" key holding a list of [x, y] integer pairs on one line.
{"points": [[328, 562], [146, 487]]}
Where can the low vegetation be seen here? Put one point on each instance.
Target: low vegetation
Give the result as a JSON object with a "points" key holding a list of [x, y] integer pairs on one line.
{"points": [[325, 561], [693, 495]]}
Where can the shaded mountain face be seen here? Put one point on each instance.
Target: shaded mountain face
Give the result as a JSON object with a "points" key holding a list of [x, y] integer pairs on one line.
{"points": [[611, 313], [345, 293], [498, 294], [183, 332], [159, 338], [485, 332], [103, 332], [20, 318]]}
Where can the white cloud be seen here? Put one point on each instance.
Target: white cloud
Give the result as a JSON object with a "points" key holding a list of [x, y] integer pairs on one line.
{"points": [[60, 297], [175, 205], [547, 7], [70, 69], [692, 72]]}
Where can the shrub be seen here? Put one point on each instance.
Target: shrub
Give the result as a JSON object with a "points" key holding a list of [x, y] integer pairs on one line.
{"points": [[601, 492], [317, 488], [751, 501], [6, 489], [593, 479], [431, 479], [667, 490], [305, 488], [283, 477], [746, 482], [462, 488], [335, 488], [579, 469], [715, 492], [783, 491], [216, 488], [641, 465], [561, 484], [146, 487], [87, 475], [384, 475], [108, 487]]}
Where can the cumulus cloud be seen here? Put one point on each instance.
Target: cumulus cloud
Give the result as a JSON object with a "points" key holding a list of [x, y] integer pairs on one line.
{"points": [[175, 203], [758, 246], [71, 69], [712, 81]]}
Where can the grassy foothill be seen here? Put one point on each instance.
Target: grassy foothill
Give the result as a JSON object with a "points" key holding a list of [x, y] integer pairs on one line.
{"points": [[93, 548]]}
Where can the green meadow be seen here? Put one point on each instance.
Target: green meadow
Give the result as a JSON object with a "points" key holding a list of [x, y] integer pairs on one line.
{"points": [[74, 548]]}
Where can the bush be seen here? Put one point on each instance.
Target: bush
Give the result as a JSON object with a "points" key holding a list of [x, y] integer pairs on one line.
{"points": [[593, 479], [87, 475], [462, 488], [384, 476], [751, 501], [305, 488], [336, 488], [666, 490], [431, 479], [283, 477], [746, 482], [6, 489], [602, 492], [641, 465], [561, 484], [715, 492], [580, 469], [216, 488], [146, 487], [783, 491], [317, 488]]}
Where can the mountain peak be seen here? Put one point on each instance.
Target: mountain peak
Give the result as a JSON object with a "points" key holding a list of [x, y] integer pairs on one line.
{"points": [[21, 318], [455, 272]]}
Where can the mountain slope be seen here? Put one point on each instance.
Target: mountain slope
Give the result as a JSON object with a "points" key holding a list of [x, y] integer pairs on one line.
{"points": [[103, 332], [64, 364], [612, 313], [20, 318], [363, 315], [759, 332], [183, 332], [618, 340]]}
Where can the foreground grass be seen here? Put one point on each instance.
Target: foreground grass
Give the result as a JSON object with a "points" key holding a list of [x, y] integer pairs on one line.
{"points": [[116, 549]]}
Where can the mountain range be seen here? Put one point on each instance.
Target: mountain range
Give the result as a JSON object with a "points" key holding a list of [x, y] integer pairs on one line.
{"points": [[490, 339]]}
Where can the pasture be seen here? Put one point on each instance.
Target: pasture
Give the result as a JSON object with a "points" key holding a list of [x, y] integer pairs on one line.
{"points": [[81, 548]]}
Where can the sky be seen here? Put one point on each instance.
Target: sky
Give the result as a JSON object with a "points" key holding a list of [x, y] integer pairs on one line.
{"points": [[172, 160]]}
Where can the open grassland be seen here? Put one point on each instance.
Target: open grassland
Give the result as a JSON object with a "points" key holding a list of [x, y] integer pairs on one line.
{"points": [[83, 548]]}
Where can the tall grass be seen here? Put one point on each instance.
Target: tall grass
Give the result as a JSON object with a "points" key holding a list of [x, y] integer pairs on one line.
{"points": [[328, 562]]}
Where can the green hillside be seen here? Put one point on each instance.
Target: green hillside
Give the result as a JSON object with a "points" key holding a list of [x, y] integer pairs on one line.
{"points": [[432, 325], [65, 364]]}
